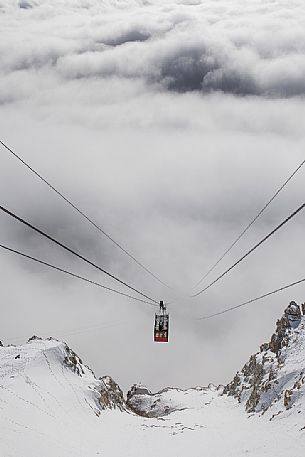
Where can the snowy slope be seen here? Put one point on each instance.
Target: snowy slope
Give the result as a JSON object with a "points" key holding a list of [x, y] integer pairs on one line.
{"points": [[52, 405], [273, 381], [49, 399]]}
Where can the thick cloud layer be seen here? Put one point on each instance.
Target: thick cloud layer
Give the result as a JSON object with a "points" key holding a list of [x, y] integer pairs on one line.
{"points": [[252, 48], [171, 123]]}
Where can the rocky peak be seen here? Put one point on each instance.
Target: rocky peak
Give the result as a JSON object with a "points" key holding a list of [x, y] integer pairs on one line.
{"points": [[111, 396], [290, 319], [141, 401], [274, 373], [73, 362], [34, 338], [137, 389], [105, 392], [145, 403]]}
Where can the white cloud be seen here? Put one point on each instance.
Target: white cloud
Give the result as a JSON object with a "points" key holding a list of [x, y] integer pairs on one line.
{"points": [[172, 122]]}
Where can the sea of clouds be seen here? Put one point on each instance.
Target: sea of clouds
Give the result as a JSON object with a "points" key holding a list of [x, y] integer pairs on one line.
{"points": [[171, 123], [165, 55]]}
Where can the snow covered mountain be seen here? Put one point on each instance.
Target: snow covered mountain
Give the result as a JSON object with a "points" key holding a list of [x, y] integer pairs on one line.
{"points": [[51, 404], [273, 380]]}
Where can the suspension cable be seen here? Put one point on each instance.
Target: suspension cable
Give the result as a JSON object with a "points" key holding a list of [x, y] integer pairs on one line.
{"points": [[82, 213], [54, 267], [5, 210], [252, 249], [250, 223], [251, 301]]}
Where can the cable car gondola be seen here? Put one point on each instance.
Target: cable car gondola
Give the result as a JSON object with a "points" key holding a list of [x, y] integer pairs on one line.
{"points": [[161, 325]]}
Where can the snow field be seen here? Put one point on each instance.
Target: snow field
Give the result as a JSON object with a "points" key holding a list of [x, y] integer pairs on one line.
{"points": [[48, 410]]}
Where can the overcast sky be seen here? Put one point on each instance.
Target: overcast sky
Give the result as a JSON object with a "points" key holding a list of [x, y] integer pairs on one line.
{"points": [[171, 124]]}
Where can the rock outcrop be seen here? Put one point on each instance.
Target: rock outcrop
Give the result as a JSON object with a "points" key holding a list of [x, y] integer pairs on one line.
{"points": [[73, 362], [105, 391], [277, 372], [145, 403], [111, 396]]}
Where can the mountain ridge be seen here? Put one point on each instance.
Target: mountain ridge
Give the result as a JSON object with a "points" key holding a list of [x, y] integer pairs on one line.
{"points": [[275, 375], [55, 405]]}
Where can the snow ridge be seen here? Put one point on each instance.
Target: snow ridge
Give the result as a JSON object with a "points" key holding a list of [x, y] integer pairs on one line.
{"points": [[22, 366], [51, 404], [274, 378]]}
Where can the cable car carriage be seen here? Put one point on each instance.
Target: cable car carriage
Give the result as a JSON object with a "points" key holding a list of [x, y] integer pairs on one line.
{"points": [[161, 325]]}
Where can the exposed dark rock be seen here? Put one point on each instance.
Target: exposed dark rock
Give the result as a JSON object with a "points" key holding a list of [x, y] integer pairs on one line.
{"points": [[137, 400], [231, 389], [290, 319], [73, 361], [111, 396], [1, 344], [33, 338], [220, 389], [259, 375], [289, 393], [264, 347], [144, 403], [280, 338], [137, 389], [293, 313]]}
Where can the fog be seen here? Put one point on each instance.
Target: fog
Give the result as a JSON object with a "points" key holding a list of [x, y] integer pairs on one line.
{"points": [[170, 124]]}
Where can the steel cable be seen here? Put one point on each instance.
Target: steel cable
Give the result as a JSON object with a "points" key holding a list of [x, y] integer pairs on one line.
{"points": [[251, 301], [54, 267], [5, 210], [251, 223], [85, 216], [251, 250]]}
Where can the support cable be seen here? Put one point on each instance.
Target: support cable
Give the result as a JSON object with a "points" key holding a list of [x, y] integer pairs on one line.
{"points": [[54, 267], [227, 310], [82, 213], [251, 250], [5, 210], [250, 223]]}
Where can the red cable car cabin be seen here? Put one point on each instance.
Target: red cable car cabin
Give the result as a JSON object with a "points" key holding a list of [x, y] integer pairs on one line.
{"points": [[161, 325]]}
